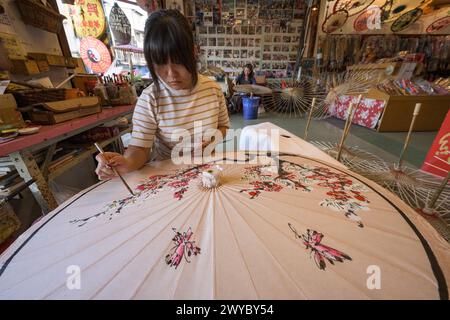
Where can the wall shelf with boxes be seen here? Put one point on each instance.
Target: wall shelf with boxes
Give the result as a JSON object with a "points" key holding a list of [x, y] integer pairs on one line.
{"points": [[37, 63]]}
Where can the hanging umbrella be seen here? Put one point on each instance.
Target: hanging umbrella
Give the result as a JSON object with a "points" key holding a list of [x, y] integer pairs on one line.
{"points": [[353, 7], [306, 230], [335, 21]]}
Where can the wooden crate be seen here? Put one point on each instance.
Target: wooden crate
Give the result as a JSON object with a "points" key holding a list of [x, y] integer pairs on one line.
{"points": [[398, 111]]}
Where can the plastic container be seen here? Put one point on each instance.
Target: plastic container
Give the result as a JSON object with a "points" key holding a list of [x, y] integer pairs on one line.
{"points": [[250, 107]]}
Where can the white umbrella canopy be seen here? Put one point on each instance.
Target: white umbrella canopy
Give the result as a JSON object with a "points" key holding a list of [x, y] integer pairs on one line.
{"points": [[305, 231]]}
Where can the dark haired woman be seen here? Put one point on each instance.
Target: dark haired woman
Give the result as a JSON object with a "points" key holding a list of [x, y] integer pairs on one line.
{"points": [[247, 76], [178, 97]]}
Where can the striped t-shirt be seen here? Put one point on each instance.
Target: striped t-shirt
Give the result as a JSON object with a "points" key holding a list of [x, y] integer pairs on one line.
{"points": [[155, 119]]}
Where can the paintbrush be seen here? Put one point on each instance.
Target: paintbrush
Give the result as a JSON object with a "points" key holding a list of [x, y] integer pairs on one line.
{"points": [[115, 171]]}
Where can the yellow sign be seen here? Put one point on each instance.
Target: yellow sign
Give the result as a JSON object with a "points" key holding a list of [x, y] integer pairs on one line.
{"points": [[88, 18]]}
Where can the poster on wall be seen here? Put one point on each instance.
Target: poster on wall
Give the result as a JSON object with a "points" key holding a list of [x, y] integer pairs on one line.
{"points": [[120, 25], [88, 18], [95, 55]]}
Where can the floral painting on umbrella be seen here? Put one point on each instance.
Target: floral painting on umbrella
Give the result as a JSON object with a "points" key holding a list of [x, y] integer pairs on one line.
{"points": [[343, 194]]}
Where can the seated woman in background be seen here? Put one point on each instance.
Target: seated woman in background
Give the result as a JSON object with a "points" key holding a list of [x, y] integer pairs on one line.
{"points": [[247, 76]]}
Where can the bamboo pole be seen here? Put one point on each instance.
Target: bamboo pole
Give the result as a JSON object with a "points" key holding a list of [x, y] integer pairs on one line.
{"points": [[313, 105], [341, 143], [348, 123], [408, 137], [430, 205]]}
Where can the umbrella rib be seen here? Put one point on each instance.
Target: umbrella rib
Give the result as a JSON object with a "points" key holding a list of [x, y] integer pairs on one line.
{"points": [[163, 252], [345, 242], [292, 240], [197, 228], [240, 251], [112, 250]]}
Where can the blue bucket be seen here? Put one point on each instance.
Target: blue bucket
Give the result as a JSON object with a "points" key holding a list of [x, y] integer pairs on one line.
{"points": [[250, 107]]}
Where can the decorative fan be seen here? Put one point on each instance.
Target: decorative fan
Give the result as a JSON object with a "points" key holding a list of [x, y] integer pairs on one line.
{"points": [[95, 54], [361, 22], [406, 20], [393, 9], [439, 25], [335, 21], [353, 7]]}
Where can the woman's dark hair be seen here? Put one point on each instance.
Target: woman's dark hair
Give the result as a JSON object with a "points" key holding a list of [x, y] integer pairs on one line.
{"points": [[250, 67], [167, 36]]}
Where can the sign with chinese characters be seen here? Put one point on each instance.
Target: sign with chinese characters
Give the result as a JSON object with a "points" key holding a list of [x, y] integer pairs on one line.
{"points": [[438, 158], [88, 18], [95, 54]]}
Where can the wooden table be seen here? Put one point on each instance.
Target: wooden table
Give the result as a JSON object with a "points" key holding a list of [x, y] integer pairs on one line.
{"points": [[20, 150]]}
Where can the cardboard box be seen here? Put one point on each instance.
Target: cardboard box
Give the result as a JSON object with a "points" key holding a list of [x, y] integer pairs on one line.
{"points": [[58, 61], [27, 67], [397, 114], [64, 110], [10, 117], [80, 66], [71, 62], [85, 82], [43, 65]]}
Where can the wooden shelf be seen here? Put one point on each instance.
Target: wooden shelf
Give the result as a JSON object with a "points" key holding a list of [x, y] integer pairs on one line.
{"points": [[84, 155]]}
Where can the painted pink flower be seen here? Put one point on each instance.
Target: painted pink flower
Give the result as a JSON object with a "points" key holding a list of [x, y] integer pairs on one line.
{"points": [[178, 183], [183, 247]]}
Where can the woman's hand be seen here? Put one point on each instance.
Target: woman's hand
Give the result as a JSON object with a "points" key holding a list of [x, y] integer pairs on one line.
{"points": [[109, 160]]}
